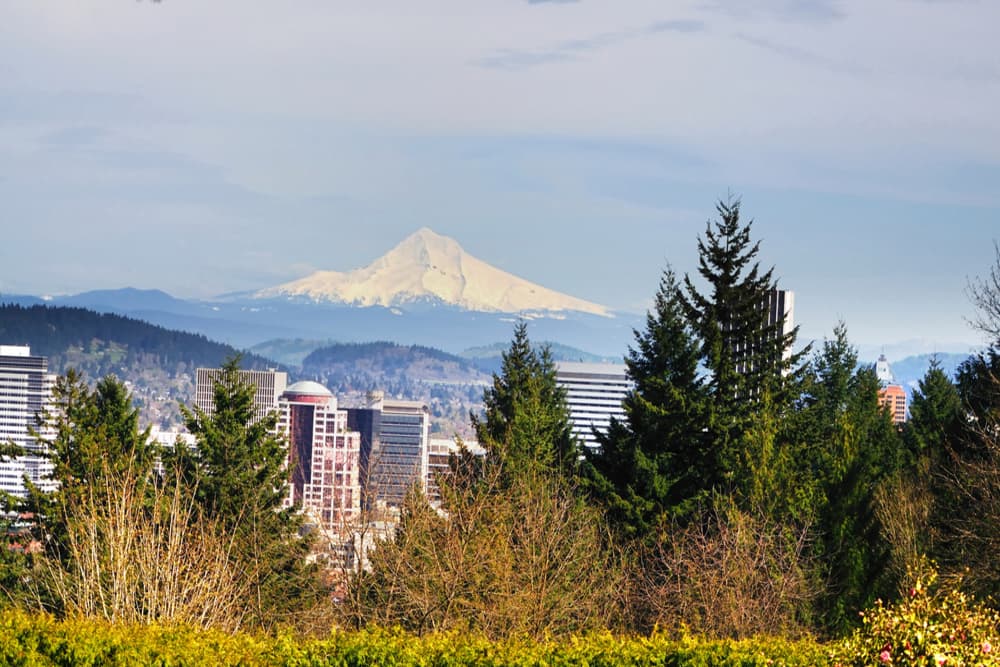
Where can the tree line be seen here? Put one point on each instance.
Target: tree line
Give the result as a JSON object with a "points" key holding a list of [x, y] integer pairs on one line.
{"points": [[753, 487]]}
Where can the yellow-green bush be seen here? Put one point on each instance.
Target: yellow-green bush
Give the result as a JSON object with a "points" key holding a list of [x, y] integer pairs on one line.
{"points": [[41, 640]]}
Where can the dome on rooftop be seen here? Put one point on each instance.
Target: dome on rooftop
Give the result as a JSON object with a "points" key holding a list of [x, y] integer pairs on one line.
{"points": [[308, 388]]}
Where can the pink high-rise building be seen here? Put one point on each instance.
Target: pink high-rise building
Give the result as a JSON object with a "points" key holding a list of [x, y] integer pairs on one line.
{"points": [[323, 457]]}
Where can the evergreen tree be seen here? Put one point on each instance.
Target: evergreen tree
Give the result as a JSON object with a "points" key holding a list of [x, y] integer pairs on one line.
{"points": [[514, 551], [978, 384], [934, 413], [526, 424], [237, 471], [86, 435], [656, 464], [744, 354], [853, 449]]}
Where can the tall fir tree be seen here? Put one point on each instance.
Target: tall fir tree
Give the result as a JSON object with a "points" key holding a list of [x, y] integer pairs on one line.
{"points": [[966, 513], [91, 437], [935, 413], [852, 448], [86, 434], [978, 384], [656, 465], [526, 424], [745, 355], [237, 471]]}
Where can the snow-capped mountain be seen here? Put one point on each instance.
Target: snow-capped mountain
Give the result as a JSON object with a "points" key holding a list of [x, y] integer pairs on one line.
{"points": [[428, 267]]}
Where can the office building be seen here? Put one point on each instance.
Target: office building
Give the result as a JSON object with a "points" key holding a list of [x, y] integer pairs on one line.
{"points": [[779, 307], [439, 451], [268, 386], [891, 395], [594, 394], [323, 457], [25, 394], [394, 444]]}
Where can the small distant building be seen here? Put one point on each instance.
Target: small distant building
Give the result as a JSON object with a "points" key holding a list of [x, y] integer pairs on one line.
{"points": [[891, 395], [439, 462], [323, 457], [594, 394], [394, 447], [883, 371], [268, 385], [25, 394]]}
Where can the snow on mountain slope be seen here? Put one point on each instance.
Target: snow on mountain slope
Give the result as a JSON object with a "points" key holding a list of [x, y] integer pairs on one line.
{"points": [[427, 266]]}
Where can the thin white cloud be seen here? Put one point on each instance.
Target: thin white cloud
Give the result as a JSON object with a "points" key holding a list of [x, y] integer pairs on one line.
{"points": [[572, 49], [820, 11], [803, 55]]}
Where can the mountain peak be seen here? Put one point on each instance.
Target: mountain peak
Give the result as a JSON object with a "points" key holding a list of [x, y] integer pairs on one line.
{"points": [[428, 242], [426, 266]]}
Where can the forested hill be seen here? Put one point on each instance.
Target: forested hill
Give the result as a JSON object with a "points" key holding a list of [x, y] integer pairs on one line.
{"points": [[450, 385], [158, 364], [51, 331], [380, 362]]}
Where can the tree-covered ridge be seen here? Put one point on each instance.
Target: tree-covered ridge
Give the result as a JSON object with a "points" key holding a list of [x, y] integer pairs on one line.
{"points": [[157, 363], [451, 386], [53, 331], [339, 353], [348, 367]]}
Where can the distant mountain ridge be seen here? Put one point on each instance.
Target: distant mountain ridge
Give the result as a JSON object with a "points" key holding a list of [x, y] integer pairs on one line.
{"points": [[429, 268]]}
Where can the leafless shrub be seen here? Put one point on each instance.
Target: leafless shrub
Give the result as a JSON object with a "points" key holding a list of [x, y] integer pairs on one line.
{"points": [[903, 509], [984, 292], [968, 522], [525, 557], [728, 574], [137, 551]]}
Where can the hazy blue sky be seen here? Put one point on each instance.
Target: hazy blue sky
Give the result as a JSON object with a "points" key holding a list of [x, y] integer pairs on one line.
{"points": [[204, 147]]}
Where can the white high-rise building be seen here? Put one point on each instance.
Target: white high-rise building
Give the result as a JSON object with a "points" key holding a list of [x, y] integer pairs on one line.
{"points": [[268, 386], [25, 393], [594, 394]]}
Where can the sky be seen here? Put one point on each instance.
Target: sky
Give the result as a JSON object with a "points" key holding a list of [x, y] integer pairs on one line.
{"points": [[209, 147]]}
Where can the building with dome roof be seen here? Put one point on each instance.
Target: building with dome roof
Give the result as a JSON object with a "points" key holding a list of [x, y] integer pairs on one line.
{"points": [[323, 456]]}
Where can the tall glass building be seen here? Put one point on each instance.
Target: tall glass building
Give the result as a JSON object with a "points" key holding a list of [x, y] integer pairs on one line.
{"points": [[394, 448]]}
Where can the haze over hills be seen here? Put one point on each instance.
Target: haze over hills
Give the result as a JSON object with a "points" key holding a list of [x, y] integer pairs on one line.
{"points": [[428, 267], [425, 291]]}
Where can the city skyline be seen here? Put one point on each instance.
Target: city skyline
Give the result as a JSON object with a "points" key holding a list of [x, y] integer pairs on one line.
{"points": [[579, 145]]}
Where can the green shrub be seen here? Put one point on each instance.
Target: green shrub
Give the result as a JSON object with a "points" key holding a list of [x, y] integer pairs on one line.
{"points": [[932, 626]]}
